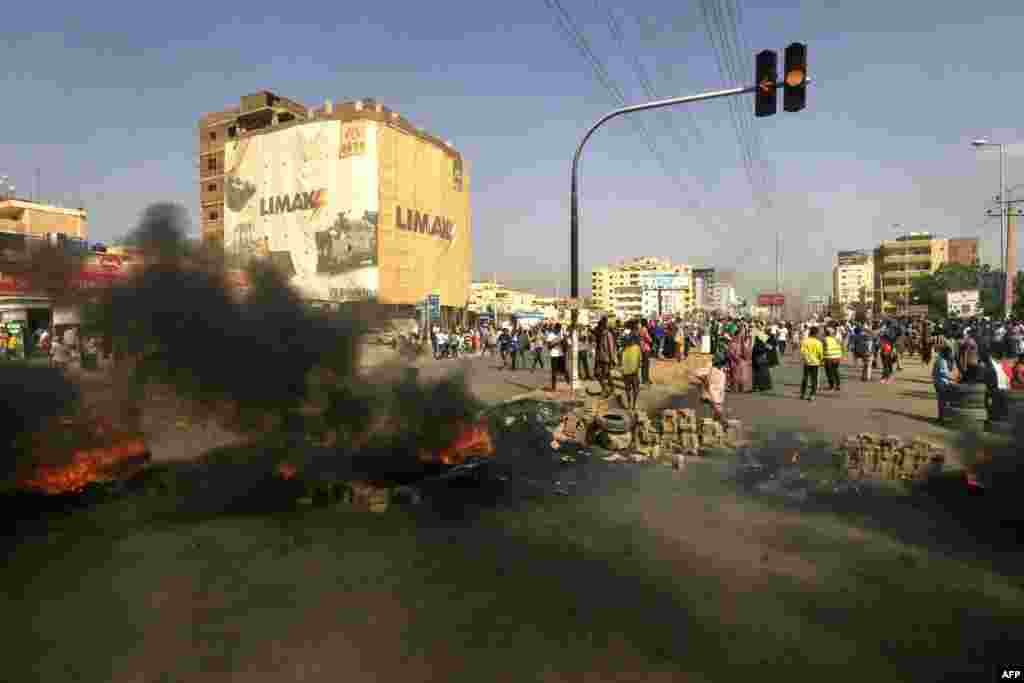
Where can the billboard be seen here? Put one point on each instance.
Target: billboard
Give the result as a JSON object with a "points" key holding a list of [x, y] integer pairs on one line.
{"points": [[305, 200], [771, 300], [963, 304], [657, 281], [425, 232]]}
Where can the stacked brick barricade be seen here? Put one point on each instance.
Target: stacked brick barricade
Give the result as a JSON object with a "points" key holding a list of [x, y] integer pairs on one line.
{"points": [[875, 456], [663, 437]]}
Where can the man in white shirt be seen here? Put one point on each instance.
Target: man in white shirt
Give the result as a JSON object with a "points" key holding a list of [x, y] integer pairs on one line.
{"points": [[783, 336], [557, 353], [442, 343]]}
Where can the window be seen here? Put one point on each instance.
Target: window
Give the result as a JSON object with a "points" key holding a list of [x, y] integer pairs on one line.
{"points": [[212, 187], [213, 135], [211, 164], [214, 215]]}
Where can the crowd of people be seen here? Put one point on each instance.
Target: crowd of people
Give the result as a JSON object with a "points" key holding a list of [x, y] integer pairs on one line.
{"points": [[744, 352]]}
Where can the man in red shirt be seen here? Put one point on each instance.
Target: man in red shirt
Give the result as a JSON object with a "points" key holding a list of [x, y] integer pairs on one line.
{"points": [[646, 343]]}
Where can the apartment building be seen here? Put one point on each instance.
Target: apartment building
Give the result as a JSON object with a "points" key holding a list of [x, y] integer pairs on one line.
{"points": [[630, 289], [352, 202], [24, 217], [853, 279], [897, 262]]}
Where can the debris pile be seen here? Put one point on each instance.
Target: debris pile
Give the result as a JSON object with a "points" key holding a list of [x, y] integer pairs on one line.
{"points": [[875, 456], [674, 433]]}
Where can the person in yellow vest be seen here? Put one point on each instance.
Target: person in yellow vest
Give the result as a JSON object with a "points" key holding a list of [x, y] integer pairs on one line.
{"points": [[833, 356], [813, 353], [632, 360]]}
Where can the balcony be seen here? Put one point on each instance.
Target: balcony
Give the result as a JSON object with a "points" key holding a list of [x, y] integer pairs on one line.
{"points": [[909, 258]]}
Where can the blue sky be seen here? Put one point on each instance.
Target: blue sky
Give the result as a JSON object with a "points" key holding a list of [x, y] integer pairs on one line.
{"points": [[104, 98]]}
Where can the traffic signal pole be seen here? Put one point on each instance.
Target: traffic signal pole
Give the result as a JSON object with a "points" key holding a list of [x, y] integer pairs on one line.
{"points": [[574, 237]]}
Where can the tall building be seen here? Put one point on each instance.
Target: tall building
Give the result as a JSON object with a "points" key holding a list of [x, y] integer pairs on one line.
{"points": [[703, 280], [721, 297], [897, 262], [631, 289], [352, 201], [853, 279]]}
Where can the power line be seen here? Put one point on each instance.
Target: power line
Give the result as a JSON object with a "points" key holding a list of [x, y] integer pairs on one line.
{"points": [[578, 39], [725, 41], [642, 75], [711, 27]]}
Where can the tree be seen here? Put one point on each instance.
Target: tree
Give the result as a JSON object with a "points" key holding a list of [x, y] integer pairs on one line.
{"points": [[931, 289]]}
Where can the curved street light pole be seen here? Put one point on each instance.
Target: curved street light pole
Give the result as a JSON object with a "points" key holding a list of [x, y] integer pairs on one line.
{"points": [[574, 237]]}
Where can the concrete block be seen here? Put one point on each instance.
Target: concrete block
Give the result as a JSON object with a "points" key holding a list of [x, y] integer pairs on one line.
{"points": [[689, 442], [733, 432], [669, 422]]}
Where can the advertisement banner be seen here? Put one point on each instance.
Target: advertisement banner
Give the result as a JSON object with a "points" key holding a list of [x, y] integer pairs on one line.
{"points": [[305, 200], [963, 304], [665, 281], [771, 300]]}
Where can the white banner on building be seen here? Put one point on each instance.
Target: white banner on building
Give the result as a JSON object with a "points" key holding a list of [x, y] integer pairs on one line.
{"points": [[963, 304], [305, 199]]}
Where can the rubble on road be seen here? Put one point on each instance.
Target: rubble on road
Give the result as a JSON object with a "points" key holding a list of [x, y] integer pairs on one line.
{"points": [[665, 438], [883, 457]]}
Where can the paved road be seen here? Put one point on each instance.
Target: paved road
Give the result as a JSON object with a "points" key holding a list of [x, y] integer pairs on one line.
{"points": [[904, 408]]}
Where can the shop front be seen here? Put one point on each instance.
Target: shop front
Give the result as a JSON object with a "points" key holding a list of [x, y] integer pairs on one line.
{"points": [[23, 319]]}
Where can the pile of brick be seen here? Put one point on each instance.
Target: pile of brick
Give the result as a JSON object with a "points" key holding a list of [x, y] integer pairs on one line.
{"points": [[674, 432], [875, 456]]}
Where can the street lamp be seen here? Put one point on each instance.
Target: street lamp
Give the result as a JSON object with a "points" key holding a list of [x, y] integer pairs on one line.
{"points": [[1004, 256]]}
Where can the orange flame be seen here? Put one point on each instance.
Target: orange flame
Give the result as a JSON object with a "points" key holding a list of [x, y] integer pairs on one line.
{"points": [[472, 440], [86, 467]]}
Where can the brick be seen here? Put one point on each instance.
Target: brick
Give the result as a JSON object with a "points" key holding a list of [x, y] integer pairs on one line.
{"points": [[669, 421]]}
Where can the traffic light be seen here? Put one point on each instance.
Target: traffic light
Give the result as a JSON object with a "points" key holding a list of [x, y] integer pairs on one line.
{"points": [[766, 74], [794, 90]]}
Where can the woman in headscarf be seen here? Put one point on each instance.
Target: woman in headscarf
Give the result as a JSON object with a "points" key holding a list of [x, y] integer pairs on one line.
{"points": [[761, 361], [744, 369], [731, 347]]}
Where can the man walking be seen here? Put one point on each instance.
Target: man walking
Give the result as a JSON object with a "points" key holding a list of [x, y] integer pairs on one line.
{"points": [[813, 353], [604, 356], [833, 356], [556, 348]]}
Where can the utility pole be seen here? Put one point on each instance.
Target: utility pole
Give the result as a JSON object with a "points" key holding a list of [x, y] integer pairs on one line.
{"points": [[1011, 252]]}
